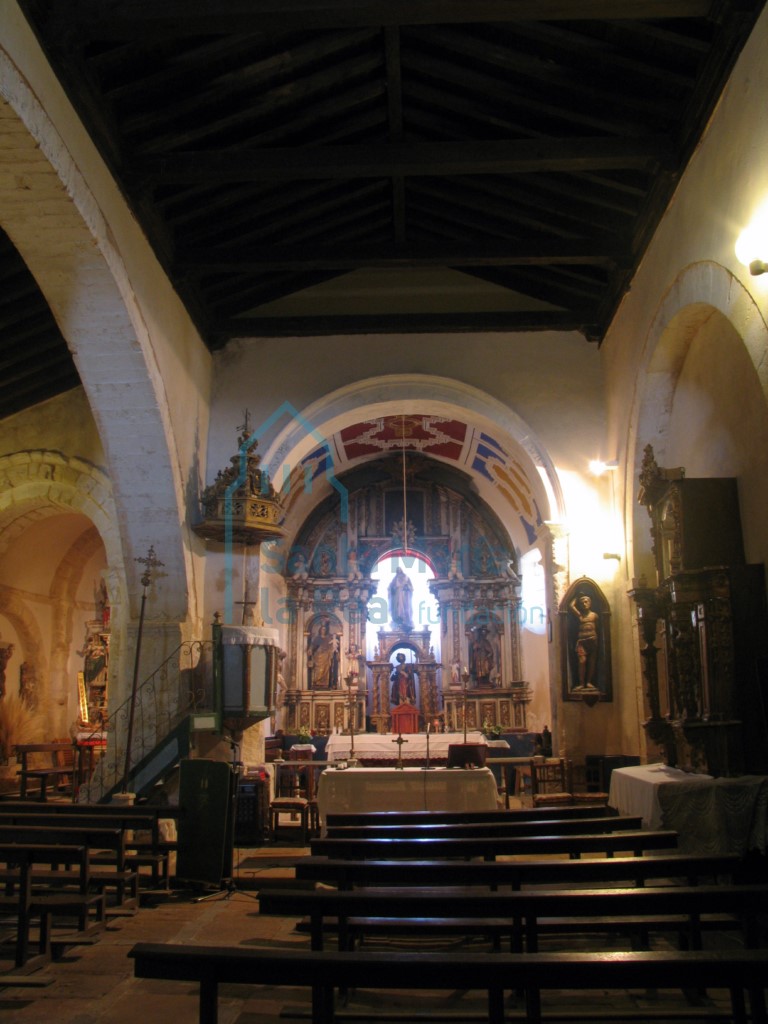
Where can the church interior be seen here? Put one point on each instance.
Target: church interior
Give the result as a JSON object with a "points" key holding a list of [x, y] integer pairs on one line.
{"points": [[384, 391]]}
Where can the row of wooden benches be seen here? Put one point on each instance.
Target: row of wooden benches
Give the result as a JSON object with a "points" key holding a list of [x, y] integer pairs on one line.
{"points": [[64, 860], [445, 878]]}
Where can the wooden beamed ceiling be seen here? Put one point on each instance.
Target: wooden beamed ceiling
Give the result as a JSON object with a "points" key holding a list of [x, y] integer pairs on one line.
{"points": [[305, 167]]}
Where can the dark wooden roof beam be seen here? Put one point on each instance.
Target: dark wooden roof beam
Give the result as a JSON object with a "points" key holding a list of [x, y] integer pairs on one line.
{"points": [[578, 206], [514, 67], [430, 107], [116, 19], [506, 207], [354, 256], [572, 50], [377, 161], [425, 323], [266, 104], [271, 224]]}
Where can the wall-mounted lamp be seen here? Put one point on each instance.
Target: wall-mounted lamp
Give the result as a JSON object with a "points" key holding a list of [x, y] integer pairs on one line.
{"points": [[598, 467], [752, 243]]}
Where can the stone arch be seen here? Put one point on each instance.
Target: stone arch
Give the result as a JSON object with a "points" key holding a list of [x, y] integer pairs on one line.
{"points": [[39, 485], [682, 313], [53, 218], [290, 449]]}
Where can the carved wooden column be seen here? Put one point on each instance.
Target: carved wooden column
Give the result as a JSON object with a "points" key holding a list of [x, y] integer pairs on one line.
{"points": [[656, 726]]}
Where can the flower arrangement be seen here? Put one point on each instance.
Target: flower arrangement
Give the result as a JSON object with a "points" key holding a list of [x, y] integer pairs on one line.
{"points": [[491, 731]]}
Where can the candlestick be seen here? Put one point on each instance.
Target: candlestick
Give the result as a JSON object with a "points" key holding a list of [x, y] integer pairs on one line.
{"points": [[465, 679], [352, 708]]}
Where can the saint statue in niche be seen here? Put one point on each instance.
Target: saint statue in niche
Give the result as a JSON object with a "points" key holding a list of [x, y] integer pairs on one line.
{"points": [[586, 643], [481, 658], [403, 682], [323, 657], [401, 600]]}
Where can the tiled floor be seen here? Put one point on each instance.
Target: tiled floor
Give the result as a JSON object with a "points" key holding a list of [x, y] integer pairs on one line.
{"points": [[95, 984]]}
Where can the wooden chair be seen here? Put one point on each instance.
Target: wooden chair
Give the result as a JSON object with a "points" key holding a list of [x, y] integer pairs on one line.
{"points": [[583, 790], [296, 806], [550, 782], [295, 794]]}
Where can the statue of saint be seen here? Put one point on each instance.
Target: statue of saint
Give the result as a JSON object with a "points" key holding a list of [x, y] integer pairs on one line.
{"points": [[481, 658], [403, 683], [401, 600], [586, 646], [323, 658]]}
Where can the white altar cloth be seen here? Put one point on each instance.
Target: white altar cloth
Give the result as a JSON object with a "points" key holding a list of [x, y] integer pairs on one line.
{"points": [[635, 790], [383, 747], [356, 790]]}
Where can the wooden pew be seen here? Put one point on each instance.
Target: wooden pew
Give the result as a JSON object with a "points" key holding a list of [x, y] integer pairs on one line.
{"points": [[552, 825], [689, 868], [460, 817], [107, 844], [530, 912], [739, 971], [21, 897], [150, 852], [635, 842], [154, 851]]}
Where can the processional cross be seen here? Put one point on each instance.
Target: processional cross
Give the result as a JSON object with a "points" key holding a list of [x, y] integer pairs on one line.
{"points": [[400, 741]]}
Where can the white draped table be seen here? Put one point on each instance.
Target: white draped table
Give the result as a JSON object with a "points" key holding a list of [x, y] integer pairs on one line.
{"points": [[355, 790], [635, 790], [711, 816], [372, 746]]}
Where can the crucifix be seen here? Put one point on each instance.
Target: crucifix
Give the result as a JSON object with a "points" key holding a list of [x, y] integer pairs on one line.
{"points": [[400, 741]]}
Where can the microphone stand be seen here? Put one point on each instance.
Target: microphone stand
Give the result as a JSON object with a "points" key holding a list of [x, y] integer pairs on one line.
{"points": [[427, 767]]}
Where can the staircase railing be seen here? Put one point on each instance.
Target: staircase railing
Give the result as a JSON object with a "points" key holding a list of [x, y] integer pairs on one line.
{"points": [[181, 684]]}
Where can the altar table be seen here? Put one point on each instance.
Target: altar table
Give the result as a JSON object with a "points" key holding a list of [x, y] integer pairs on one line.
{"points": [[358, 790], [371, 746]]}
